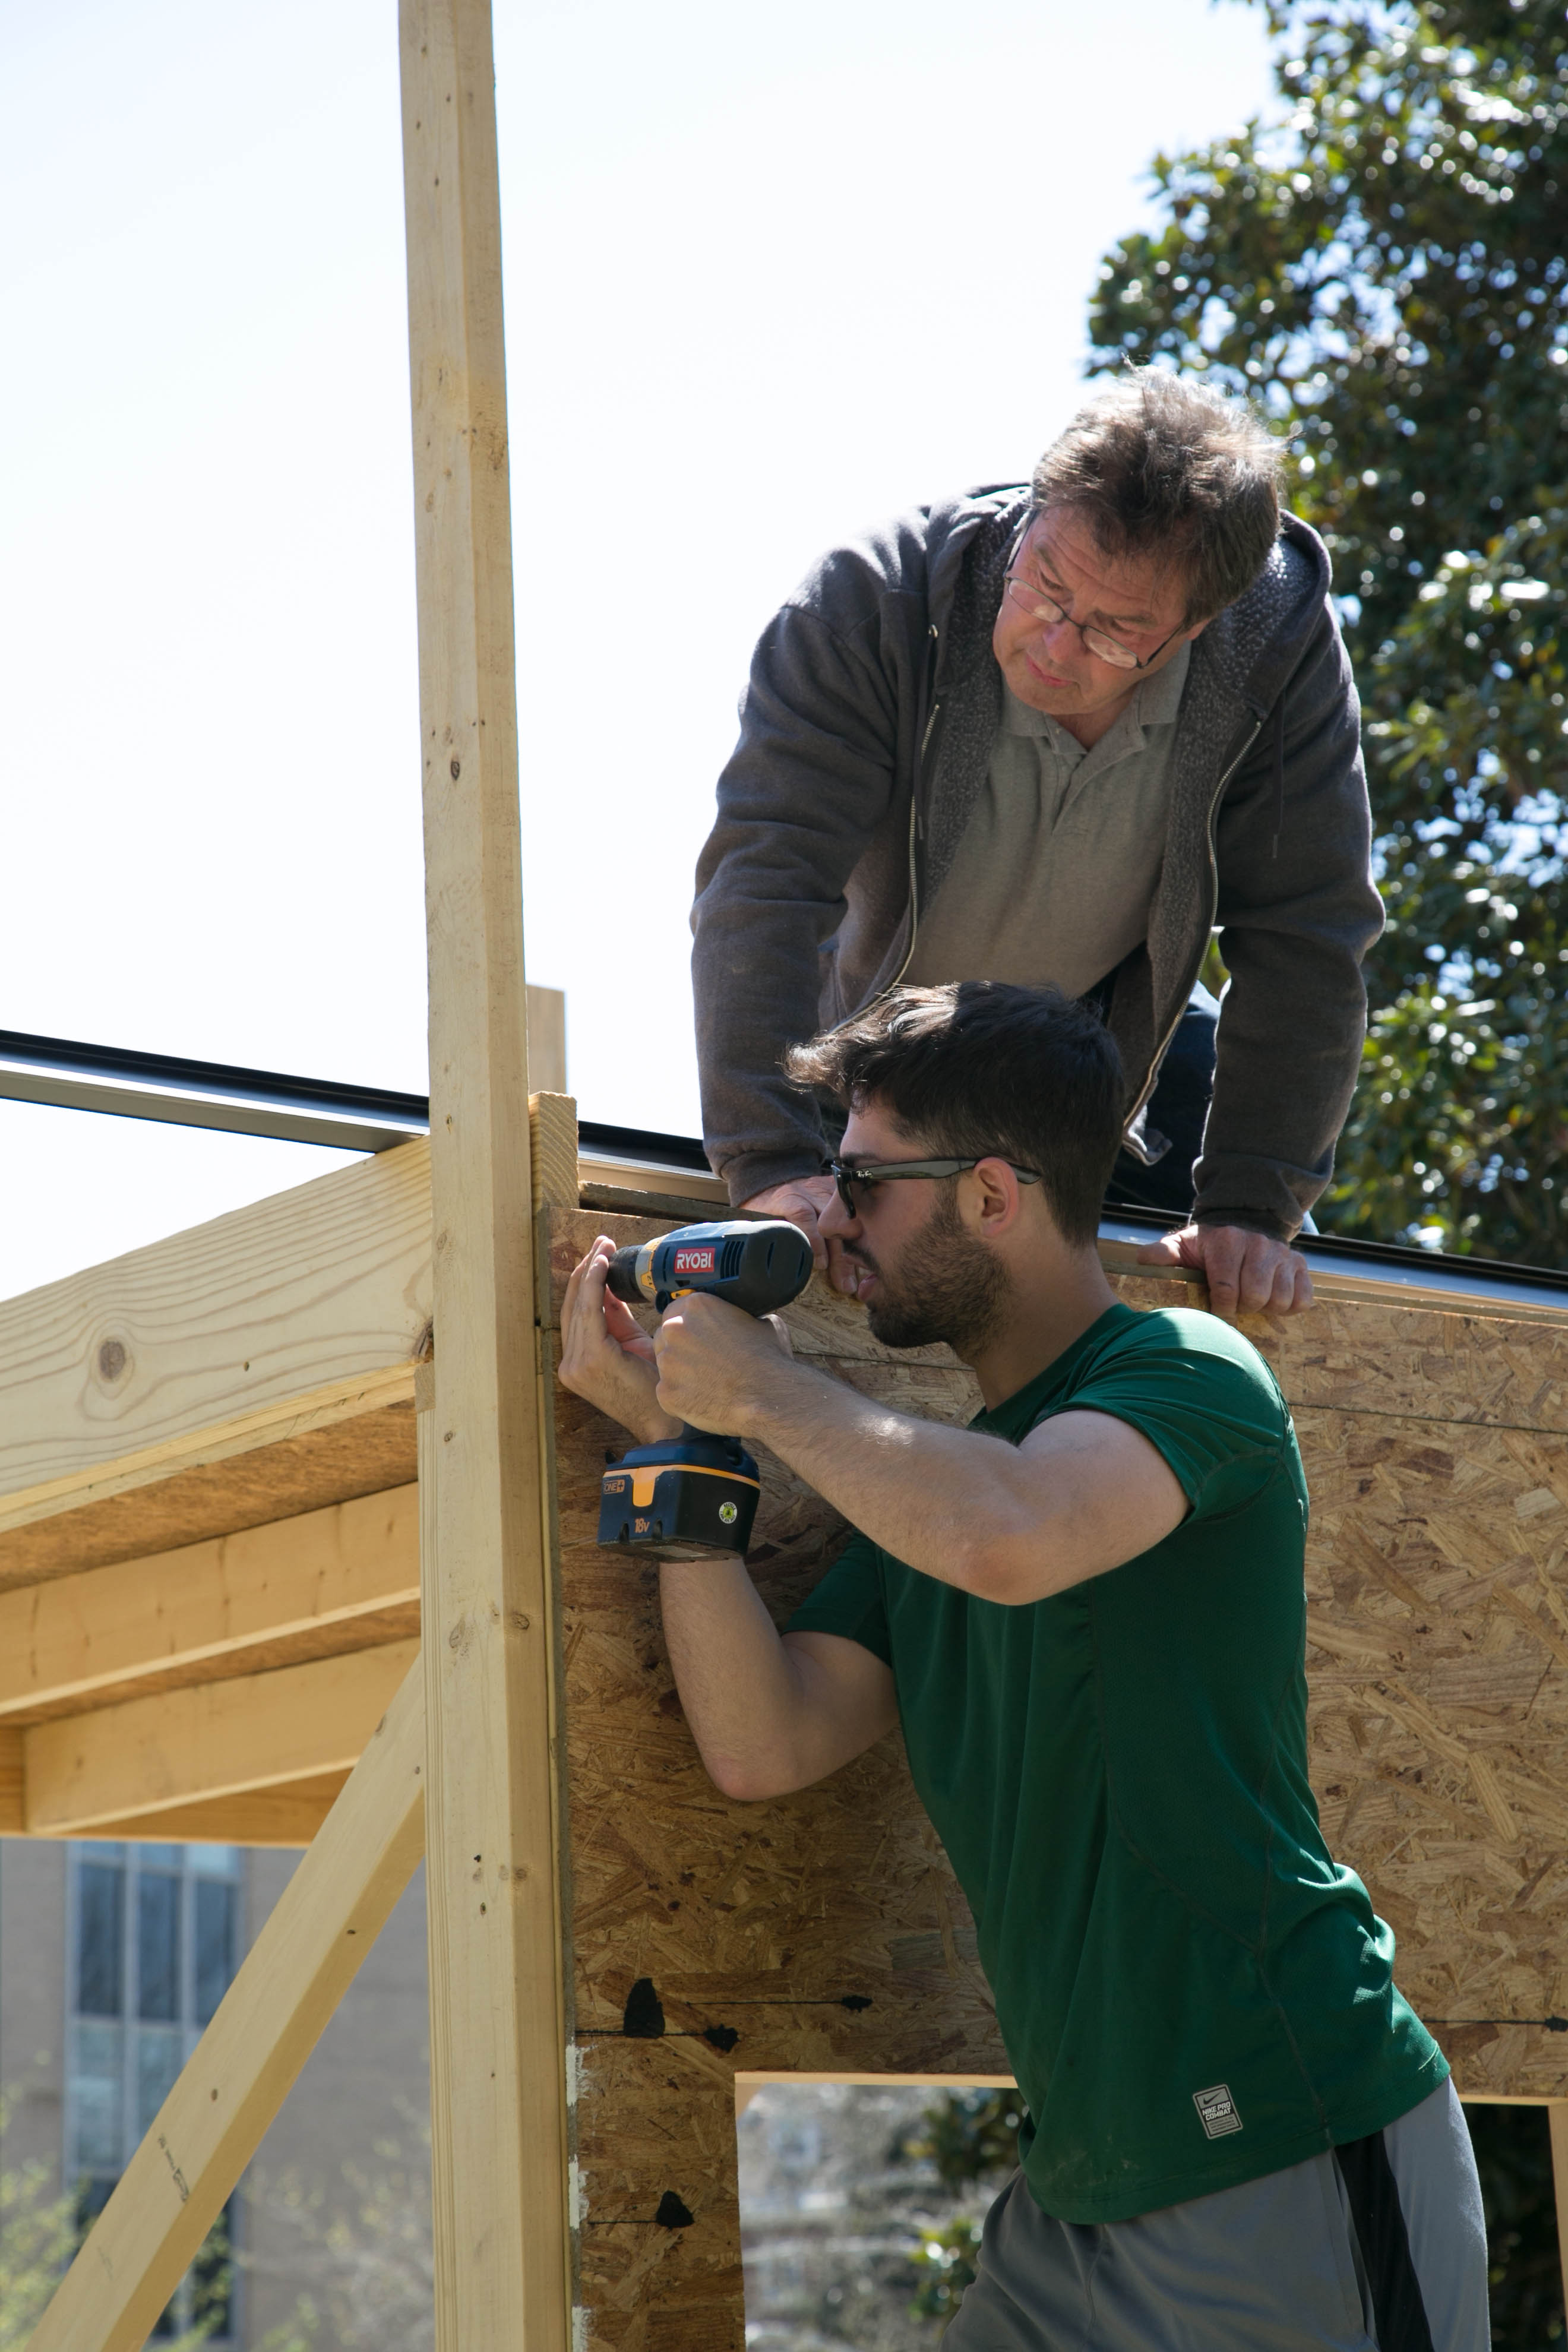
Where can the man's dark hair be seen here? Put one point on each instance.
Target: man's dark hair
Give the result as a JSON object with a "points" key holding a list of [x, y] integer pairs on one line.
{"points": [[1156, 464], [978, 1068]]}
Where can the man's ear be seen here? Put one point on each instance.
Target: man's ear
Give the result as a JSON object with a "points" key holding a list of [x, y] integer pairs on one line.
{"points": [[999, 1195]]}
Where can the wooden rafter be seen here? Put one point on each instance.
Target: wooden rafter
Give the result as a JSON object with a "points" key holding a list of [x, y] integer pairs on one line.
{"points": [[306, 1309], [335, 1579], [214, 1739], [287, 1814]]}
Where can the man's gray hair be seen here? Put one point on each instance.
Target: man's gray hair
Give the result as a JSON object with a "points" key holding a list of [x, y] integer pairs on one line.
{"points": [[1158, 463]]}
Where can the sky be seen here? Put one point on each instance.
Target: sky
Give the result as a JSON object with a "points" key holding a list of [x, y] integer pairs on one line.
{"points": [[768, 276]]}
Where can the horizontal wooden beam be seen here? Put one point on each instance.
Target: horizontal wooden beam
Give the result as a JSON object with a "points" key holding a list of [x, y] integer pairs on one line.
{"points": [[153, 1756], [296, 1590], [288, 1816], [308, 1308], [11, 1782], [242, 2069]]}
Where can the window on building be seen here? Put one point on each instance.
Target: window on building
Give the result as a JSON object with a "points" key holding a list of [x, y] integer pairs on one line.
{"points": [[155, 1945]]}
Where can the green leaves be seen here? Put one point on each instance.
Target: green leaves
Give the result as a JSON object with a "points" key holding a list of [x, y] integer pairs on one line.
{"points": [[1384, 272], [945, 2261], [1457, 1133]]}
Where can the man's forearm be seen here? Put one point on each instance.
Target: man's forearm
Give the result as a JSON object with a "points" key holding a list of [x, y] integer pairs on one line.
{"points": [[768, 1716], [740, 1688], [939, 1499]]}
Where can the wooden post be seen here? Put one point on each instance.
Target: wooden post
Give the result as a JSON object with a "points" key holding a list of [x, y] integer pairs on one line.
{"points": [[242, 2069], [497, 2081]]}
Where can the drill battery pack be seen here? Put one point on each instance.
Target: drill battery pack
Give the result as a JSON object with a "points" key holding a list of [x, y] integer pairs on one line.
{"points": [[693, 1497]]}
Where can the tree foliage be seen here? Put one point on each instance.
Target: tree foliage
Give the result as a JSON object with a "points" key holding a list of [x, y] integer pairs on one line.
{"points": [[40, 2231], [1513, 2156], [37, 2239], [1384, 270], [361, 2255], [969, 2137]]}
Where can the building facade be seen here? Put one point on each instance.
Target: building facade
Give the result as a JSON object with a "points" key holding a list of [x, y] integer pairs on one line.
{"points": [[113, 1955]]}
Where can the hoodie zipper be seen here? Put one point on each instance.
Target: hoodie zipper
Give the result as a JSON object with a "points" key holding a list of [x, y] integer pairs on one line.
{"points": [[926, 741], [1151, 1080]]}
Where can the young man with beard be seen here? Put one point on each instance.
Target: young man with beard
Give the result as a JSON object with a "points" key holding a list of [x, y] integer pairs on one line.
{"points": [[1087, 1612]]}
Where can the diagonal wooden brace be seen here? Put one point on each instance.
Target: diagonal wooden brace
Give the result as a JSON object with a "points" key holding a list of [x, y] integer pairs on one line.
{"points": [[243, 2068]]}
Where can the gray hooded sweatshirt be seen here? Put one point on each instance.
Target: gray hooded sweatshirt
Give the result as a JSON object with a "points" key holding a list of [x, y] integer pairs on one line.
{"points": [[865, 733]]}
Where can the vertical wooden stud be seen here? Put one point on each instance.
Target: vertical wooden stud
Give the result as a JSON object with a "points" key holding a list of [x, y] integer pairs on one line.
{"points": [[552, 1145], [498, 2089]]}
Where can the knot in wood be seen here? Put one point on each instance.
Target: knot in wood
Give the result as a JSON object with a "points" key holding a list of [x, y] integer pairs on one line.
{"points": [[112, 1358]]}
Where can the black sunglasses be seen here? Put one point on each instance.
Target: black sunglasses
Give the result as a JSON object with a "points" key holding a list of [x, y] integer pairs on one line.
{"points": [[847, 1174]]}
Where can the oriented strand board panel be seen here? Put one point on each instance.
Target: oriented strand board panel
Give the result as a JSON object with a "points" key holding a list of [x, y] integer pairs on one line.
{"points": [[822, 1932], [825, 1933]]}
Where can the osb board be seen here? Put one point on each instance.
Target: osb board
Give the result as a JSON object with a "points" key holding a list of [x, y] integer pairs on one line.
{"points": [[362, 1454], [1438, 1665], [1438, 1624], [824, 1930]]}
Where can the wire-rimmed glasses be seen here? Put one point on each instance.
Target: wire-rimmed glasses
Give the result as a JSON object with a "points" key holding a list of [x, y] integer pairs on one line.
{"points": [[1034, 601]]}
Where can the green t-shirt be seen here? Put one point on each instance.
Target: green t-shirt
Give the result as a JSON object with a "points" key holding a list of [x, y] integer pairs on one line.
{"points": [[1191, 1991]]}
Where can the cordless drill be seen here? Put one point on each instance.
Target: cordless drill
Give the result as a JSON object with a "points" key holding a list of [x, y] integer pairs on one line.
{"points": [[695, 1497]]}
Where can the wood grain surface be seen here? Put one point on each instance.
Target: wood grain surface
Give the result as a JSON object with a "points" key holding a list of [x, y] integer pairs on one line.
{"points": [[310, 1462], [310, 1307], [343, 1578], [209, 1740]]}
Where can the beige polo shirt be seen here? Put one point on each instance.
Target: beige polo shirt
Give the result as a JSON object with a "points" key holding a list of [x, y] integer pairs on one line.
{"points": [[1055, 874]]}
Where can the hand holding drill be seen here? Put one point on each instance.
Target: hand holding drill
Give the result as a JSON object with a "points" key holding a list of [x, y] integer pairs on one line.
{"points": [[682, 1492]]}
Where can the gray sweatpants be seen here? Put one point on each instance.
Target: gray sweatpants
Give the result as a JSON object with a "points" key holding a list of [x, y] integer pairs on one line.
{"points": [[1379, 2247]]}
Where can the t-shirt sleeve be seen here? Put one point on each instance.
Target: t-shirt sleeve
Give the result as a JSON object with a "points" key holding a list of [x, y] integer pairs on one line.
{"points": [[848, 1602], [1212, 1411]]}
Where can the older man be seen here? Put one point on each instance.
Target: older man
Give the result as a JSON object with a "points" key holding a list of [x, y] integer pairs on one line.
{"points": [[1056, 735]]}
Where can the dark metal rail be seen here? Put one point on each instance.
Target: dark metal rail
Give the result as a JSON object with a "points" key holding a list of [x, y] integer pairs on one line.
{"points": [[165, 1086]]}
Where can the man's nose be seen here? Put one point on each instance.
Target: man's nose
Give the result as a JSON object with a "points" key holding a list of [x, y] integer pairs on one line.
{"points": [[836, 1221]]}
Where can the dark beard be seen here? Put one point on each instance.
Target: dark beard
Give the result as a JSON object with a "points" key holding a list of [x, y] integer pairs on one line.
{"points": [[949, 1286]]}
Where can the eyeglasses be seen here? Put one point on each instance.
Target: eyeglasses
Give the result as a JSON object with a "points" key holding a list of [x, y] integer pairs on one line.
{"points": [[847, 1174], [1048, 612]]}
